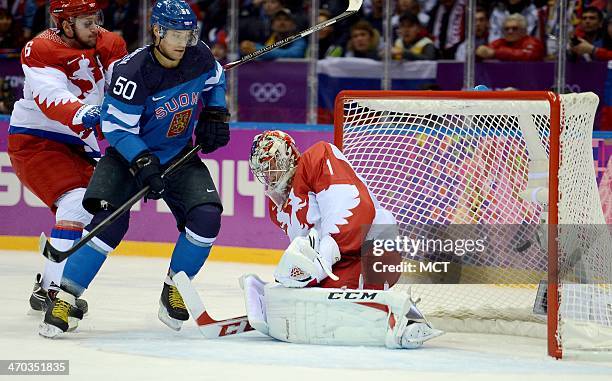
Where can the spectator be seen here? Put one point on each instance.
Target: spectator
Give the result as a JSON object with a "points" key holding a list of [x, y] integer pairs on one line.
{"points": [[427, 5], [7, 97], [218, 46], [364, 41], [516, 44], [548, 26], [11, 36], [328, 40], [601, 4], [24, 12], [603, 53], [413, 44], [38, 19], [505, 8], [256, 19], [283, 26], [375, 17], [446, 25], [481, 30], [214, 18], [590, 28], [412, 6], [121, 17]]}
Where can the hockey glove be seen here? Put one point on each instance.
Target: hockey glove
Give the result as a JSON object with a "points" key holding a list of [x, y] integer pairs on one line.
{"points": [[302, 265], [87, 120], [212, 130], [146, 169]]}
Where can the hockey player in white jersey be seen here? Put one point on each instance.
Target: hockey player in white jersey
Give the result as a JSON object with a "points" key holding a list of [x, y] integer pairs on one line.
{"points": [[321, 296], [51, 145]]}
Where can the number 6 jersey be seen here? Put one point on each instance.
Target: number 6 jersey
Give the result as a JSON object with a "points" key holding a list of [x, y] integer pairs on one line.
{"points": [[59, 80]]}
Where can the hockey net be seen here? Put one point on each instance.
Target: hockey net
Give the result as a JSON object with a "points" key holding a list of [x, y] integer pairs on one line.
{"points": [[480, 158]]}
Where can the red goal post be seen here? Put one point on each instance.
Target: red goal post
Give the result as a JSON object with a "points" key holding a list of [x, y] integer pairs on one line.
{"points": [[366, 113]]}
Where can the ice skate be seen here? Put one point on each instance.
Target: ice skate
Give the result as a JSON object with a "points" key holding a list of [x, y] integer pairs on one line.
{"points": [[411, 329], [61, 316], [172, 309], [40, 300]]}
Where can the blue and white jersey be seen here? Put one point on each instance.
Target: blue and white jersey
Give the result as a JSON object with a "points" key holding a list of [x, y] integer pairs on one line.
{"points": [[149, 107]]}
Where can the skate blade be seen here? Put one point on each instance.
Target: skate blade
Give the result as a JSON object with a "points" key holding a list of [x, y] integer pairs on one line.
{"points": [[49, 331], [73, 324], [172, 323], [421, 335]]}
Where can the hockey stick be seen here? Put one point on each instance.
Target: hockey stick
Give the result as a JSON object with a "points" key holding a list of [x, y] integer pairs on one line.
{"points": [[209, 327], [353, 7], [58, 256]]}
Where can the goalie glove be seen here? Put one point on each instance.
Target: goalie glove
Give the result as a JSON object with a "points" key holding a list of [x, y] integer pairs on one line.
{"points": [[307, 261]]}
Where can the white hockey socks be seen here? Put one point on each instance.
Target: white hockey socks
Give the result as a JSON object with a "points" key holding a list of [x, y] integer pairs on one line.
{"points": [[62, 238]]}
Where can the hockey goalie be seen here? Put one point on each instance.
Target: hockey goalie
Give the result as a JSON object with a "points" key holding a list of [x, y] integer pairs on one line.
{"points": [[321, 295]]}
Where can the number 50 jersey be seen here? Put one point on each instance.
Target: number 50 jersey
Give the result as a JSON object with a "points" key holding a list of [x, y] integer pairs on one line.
{"points": [[149, 107]]}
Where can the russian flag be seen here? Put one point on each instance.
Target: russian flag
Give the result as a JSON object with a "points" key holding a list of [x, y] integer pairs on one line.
{"points": [[337, 74]]}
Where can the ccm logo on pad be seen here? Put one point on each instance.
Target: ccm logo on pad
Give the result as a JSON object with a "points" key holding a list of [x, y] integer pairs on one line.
{"points": [[352, 295]]}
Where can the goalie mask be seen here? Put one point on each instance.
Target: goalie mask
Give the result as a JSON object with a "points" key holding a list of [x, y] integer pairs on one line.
{"points": [[273, 161]]}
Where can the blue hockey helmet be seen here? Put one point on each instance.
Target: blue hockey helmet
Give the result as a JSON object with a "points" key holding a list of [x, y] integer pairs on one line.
{"points": [[175, 15]]}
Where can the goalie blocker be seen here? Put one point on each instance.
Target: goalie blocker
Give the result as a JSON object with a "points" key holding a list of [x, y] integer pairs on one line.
{"points": [[334, 316]]}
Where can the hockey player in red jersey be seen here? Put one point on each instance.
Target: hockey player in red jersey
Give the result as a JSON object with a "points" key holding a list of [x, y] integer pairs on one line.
{"points": [[52, 136], [327, 211], [317, 189]]}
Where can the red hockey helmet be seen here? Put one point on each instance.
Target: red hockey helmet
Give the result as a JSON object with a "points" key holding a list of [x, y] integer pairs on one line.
{"points": [[65, 9]]}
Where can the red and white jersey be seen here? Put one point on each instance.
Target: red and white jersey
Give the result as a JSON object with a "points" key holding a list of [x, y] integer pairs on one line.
{"points": [[328, 195], [59, 80]]}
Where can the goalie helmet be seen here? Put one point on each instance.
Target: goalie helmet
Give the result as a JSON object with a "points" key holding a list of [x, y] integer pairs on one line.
{"points": [[65, 9], [273, 161], [175, 15]]}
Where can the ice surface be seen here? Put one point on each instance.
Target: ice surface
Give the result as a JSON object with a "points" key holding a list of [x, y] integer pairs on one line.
{"points": [[121, 338]]}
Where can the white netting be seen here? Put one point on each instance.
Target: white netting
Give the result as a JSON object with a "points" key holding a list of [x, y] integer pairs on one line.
{"points": [[455, 161]]}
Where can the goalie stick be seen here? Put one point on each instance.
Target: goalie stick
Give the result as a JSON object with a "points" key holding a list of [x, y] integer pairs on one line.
{"points": [[209, 327], [58, 256], [352, 8]]}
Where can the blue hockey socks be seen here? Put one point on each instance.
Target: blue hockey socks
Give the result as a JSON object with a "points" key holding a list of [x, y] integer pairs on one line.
{"points": [[189, 255]]}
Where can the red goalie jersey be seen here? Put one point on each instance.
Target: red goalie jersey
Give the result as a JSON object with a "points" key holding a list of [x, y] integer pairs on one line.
{"points": [[327, 194], [59, 80]]}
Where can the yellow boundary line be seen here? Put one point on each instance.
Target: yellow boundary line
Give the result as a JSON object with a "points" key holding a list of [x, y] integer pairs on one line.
{"points": [[161, 249]]}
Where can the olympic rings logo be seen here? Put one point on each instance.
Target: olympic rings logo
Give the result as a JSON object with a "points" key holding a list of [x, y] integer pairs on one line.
{"points": [[267, 92]]}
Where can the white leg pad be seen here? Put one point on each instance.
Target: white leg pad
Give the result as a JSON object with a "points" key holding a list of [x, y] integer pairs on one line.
{"points": [[254, 300], [330, 316], [307, 316]]}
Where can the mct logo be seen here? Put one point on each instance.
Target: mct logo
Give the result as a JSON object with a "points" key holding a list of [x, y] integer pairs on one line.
{"points": [[267, 92]]}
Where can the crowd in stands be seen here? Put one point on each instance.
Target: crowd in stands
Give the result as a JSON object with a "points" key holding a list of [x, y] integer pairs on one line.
{"points": [[507, 30]]}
